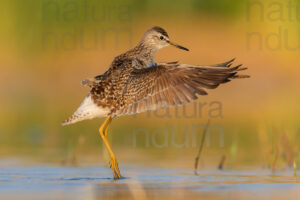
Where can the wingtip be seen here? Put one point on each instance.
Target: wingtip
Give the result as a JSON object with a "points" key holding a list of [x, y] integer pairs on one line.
{"points": [[238, 76], [229, 63], [225, 64]]}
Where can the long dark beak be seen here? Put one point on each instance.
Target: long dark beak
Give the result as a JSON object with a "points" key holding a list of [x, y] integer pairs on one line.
{"points": [[178, 46]]}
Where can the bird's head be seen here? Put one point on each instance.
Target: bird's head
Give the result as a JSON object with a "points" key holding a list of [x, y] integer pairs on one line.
{"points": [[157, 38]]}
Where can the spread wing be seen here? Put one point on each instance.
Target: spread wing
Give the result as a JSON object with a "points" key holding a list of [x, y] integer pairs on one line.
{"points": [[171, 84]]}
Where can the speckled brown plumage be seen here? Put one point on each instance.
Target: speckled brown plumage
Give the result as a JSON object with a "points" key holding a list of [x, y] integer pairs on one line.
{"points": [[128, 89], [108, 89], [134, 83]]}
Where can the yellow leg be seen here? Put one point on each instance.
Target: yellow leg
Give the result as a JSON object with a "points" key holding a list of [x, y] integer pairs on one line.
{"points": [[107, 126], [103, 133]]}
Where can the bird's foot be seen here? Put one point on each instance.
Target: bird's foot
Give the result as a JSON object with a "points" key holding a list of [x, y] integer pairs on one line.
{"points": [[115, 168]]}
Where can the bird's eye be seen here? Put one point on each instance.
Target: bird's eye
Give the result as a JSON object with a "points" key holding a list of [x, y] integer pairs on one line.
{"points": [[161, 37]]}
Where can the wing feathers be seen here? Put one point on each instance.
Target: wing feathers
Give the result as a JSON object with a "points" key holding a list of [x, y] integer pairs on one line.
{"points": [[171, 84]]}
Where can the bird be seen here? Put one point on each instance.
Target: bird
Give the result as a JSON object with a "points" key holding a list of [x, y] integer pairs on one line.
{"points": [[135, 83]]}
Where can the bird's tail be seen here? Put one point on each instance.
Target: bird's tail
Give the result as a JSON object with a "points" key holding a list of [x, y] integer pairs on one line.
{"points": [[72, 119], [80, 114], [87, 110]]}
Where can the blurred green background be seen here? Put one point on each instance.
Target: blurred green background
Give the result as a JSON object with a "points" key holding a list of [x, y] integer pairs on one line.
{"points": [[49, 46]]}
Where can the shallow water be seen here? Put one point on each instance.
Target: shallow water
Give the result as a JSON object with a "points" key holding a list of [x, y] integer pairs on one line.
{"points": [[56, 182]]}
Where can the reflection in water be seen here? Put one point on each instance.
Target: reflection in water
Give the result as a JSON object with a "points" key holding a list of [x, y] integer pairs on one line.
{"points": [[96, 183]]}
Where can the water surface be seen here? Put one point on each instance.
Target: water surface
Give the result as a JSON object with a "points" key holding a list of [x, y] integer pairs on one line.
{"points": [[56, 182]]}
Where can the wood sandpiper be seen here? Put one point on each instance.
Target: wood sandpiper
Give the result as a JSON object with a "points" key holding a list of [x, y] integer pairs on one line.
{"points": [[135, 83]]}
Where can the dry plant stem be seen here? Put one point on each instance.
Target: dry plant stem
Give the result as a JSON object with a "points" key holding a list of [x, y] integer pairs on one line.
{"points": [[222, 161], [275, 159], [295, 168], [201, 147]]}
